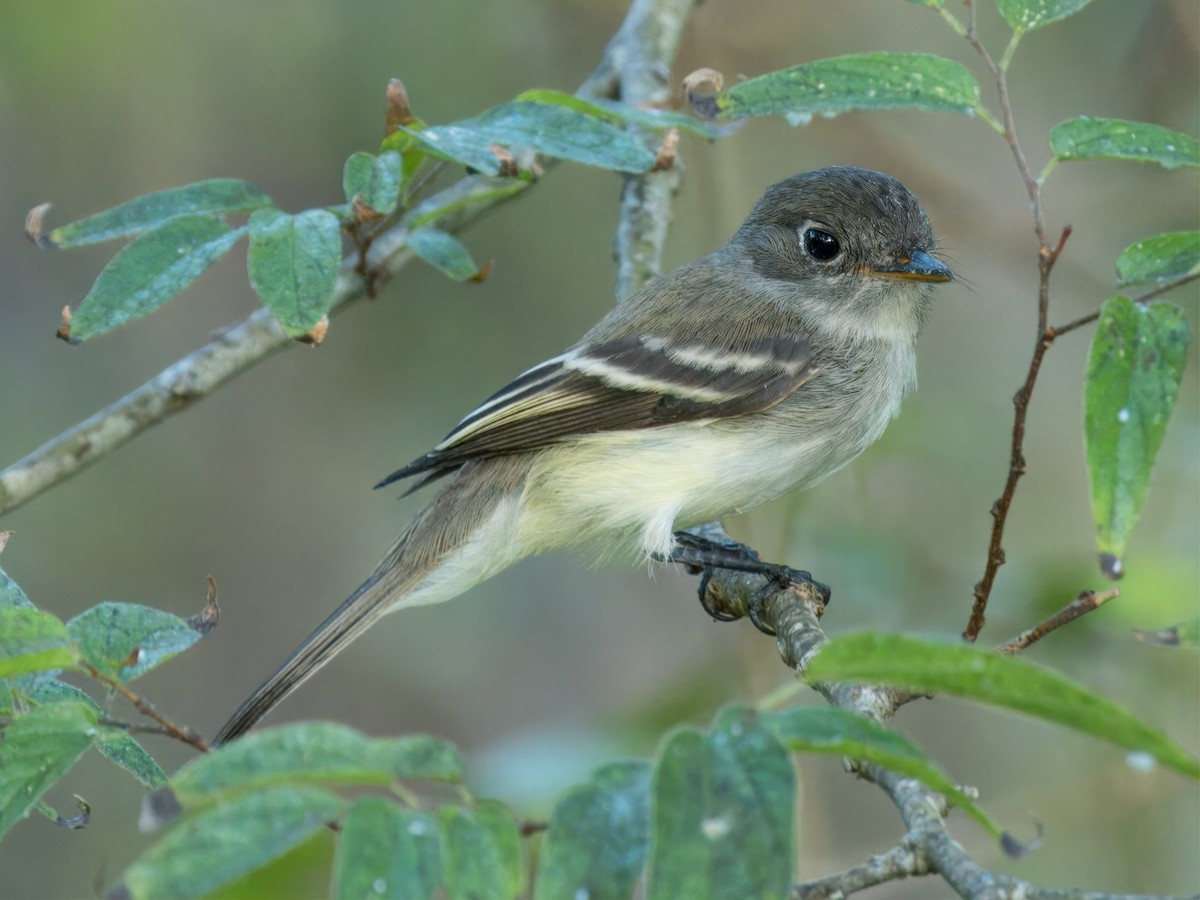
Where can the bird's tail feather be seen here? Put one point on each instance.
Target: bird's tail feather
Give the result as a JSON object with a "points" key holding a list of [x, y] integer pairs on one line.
{"points": [[430, 562]]}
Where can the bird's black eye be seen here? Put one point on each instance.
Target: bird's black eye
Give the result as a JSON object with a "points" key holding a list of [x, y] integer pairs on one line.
{"points": [[821, 245]]}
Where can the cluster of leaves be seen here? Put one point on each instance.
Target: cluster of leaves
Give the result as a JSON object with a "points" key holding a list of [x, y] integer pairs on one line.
{"points": [[50, 723], [714, 811]]}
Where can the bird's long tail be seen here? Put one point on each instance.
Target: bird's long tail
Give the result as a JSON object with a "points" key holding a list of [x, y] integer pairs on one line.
{"points": [[467, 534]]}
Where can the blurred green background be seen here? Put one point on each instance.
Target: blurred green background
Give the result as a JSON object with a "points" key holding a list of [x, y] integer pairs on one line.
{"points": [[556, 666]]}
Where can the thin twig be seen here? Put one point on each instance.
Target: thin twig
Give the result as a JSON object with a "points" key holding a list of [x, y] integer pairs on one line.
{"points": [[1059, 330], [902, 861], [1086, 602], [1047, 257], [133, 728], [147, 709]]}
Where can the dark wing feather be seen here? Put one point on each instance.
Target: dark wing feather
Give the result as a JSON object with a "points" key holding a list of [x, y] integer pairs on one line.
{"points": [[628, 383]]}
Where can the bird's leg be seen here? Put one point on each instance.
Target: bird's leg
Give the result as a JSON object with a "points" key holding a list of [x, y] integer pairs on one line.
{"points": [[703, 555]]}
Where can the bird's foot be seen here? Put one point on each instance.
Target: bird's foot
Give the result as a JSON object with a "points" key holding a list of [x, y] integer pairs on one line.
{"points": [[701, 556]]}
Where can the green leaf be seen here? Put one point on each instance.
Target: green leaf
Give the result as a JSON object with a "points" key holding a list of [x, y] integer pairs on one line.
{"points": [[314, 751], [374, 179], [150, 271], [11, 595], [1134, 371], [828, 87], [722, 813], [1028, 15], [387, 851], [37, 749], [444, 252], [962, 671], [33, 641], [223, 843], [598, 836], [823, 729], [115, 744], [293, 263], [481, 852], [936, 4], [214, 197], [125, 640], [612, 111], [548, 128], [1160, 258], [1088, 138], [1185, 634], [462, 197]]}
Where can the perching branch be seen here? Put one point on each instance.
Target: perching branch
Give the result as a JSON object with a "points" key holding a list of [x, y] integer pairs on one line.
{"points": [[906, 859], [633, 67]]}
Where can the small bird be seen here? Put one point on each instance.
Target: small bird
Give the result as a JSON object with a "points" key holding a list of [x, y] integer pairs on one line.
{"points": [[762, 367]]}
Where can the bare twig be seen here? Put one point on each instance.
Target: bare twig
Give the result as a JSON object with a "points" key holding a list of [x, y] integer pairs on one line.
{"points": [[147, 709], [902, 861], [634, 65], [1058, 331], [1047, 256], [1085, 603]]}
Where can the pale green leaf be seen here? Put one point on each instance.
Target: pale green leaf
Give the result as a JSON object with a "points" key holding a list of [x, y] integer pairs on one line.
{"points": [[974, 674], [1028, 15], [827, 87], [293, 263], [125, 640], [1088, 138], [481, 852], [1160, 258], [613, 111], [387, 851], [314, 751], [150, 271], [11, 595], [444, 252], [1134, 371], [214, 197], [33, 641], [220, 845], [823, 729], [598, 836], [37, 749], [375, 180], [721, 813]]}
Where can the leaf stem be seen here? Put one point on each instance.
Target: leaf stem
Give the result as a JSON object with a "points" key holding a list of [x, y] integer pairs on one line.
{"points": [[147, 709], [1058, 331]]}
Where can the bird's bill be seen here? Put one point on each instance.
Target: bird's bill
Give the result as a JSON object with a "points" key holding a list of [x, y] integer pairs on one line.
{"points": [[917, 266]]}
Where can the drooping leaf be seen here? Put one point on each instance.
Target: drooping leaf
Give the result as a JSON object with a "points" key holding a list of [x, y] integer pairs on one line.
{"points": [[1028, 15], [827, 87], [150, 271], [1088, 138], [1134, 371], [374, 179], [444, 252], [115, 744], [125, 640], [481, 852], [1160, 258], [37, 749], [547, 128], [387, 851], [1016, 684], [11, 595], [823, 729], [314, 751], [598, 837], [216, 196], [219, 845], [33, 641], [721, 813], [293, 263]]}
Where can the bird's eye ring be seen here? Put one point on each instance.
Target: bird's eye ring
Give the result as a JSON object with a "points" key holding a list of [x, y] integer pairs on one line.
{"points": [[820, 245]]}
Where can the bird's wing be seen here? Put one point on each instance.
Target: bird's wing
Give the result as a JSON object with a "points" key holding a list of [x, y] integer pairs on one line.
{"points": [[624, 383]]}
